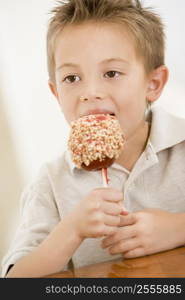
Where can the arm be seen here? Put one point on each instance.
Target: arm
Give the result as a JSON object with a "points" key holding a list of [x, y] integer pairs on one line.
{"points": [[95, 216], [51, 255], [147, 232]]}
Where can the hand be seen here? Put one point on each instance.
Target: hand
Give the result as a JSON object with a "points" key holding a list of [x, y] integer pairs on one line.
{"points": [[98, 214], [146, 232]]}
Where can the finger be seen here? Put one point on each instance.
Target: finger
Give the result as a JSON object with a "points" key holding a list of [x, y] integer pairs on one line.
{"points": [[122, 233], [124, 212], [111, 208], [137, 252], [124, 246], [108, 194], [127, 219], [111, 220], [109, 230]]}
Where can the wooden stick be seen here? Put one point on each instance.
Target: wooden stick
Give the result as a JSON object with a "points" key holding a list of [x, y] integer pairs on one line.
{"points": [[105, 184], [105, 177]]}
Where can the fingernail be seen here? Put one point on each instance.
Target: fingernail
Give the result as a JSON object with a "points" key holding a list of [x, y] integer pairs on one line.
{"points": [[124, 212]]}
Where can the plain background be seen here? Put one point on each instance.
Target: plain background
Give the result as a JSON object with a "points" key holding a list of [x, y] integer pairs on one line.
{"points": [[32, 127]]}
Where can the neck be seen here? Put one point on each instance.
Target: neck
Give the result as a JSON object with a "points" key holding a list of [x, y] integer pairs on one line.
{"points": [[133, 147]]}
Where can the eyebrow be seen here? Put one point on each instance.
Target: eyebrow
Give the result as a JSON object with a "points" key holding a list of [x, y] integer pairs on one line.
{"points": [[115, 59], [109, 60], [67, 65]]}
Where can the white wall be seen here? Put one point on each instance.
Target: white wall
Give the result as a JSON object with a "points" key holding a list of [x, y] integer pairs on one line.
{"points": [[38, 126], [32, 128], [33, 120], [172, 12], [10, 183]]}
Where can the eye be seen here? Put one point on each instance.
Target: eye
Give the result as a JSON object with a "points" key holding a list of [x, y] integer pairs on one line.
{"points": [[112, 74], [71, 78]]}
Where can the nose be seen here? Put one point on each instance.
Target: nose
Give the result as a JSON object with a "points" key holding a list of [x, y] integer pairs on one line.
{"points": [[92, 97], [93, 91]]}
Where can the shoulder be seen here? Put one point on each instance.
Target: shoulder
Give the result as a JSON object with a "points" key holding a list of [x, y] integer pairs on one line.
{"points": [[47, 170], [59, 168], [47, 179]]}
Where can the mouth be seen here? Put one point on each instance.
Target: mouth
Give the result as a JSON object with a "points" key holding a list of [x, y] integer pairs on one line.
{"points": [[98, 112]]}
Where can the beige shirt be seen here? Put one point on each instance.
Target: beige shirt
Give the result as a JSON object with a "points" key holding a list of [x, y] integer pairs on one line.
{"points": [[156, 181]]}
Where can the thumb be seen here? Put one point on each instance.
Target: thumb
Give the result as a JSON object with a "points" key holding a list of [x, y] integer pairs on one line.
{"points": [[128, 219], [124, 211]]}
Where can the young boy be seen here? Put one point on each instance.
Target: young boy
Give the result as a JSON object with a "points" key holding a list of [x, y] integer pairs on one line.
{"points": [[106, 57]]}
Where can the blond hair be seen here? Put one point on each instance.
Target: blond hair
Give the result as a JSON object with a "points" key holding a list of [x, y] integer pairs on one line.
{"points": [[145, 26]]}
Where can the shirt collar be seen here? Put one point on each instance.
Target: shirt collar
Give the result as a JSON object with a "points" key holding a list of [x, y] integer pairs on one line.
{"points": [[71, 164], [166, 131], [73, 167]]}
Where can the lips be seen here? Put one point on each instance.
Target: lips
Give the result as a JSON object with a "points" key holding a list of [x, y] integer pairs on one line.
{"points": [[97, 112]]}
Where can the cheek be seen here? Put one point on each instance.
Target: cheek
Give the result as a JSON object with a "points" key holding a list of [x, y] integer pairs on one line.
{"points": [[133, 99], [68, 105], [131, 108]]}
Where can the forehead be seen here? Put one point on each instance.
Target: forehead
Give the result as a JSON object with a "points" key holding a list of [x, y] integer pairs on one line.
{"points": [[94, 40]]}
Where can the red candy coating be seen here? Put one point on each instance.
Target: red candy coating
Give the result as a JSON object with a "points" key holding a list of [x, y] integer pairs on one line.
{"points": [[95, 141]]}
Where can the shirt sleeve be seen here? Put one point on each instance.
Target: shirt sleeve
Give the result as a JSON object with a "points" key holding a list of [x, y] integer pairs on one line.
{"points": [[39, 215]]}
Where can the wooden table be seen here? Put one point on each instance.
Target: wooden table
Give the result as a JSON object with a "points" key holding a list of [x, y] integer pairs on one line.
{"points": [[165, 264]]}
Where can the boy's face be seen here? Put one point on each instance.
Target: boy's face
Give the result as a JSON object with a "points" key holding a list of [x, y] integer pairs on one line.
{"points": [[98, 62]]}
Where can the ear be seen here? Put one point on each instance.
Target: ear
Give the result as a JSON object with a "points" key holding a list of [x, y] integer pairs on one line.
{"points": [[53, 88], [157, 81]]}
